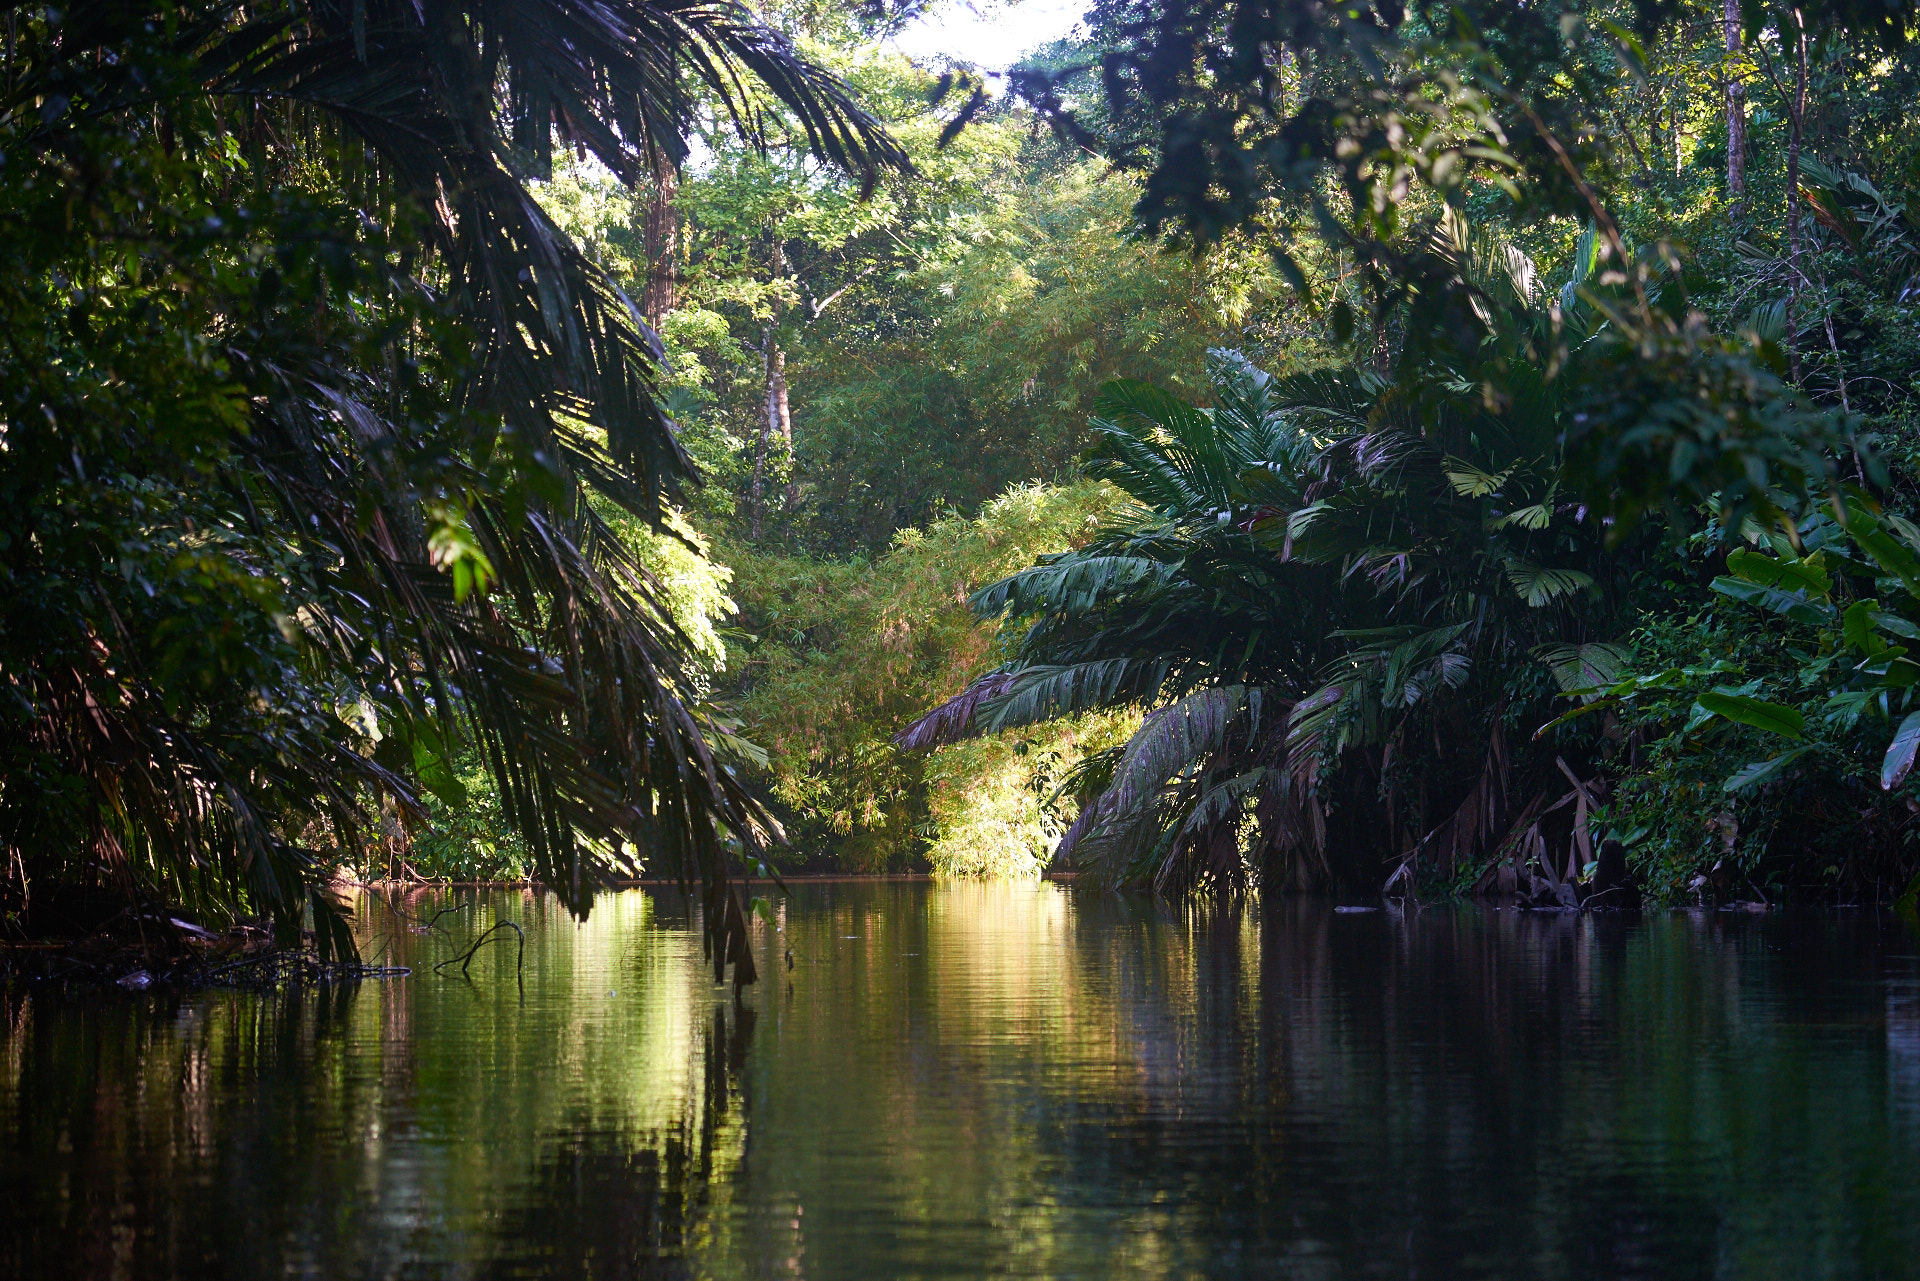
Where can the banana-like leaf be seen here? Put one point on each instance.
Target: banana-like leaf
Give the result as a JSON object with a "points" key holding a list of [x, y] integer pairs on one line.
{"points": [[1898, 761], [1894, 624], [1760, 773], [1794, 605], [1776, 718], [1791, 575], [1857, 627], [1892, 554]]}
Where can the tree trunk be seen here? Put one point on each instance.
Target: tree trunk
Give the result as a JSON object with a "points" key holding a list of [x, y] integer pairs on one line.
{"points": [[776, 421], [660, 237], [1798, 114], [1736, 118], [779, 417], [756, 493]]}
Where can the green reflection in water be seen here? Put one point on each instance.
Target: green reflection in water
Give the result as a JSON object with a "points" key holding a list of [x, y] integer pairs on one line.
{"points": [[977, 1080]]}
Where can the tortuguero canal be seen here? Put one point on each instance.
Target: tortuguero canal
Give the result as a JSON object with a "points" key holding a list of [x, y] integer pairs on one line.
{"points": [[961, 1080]]}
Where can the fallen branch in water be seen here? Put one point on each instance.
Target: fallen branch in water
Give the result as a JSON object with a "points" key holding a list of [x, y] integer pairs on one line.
{"points": [[466, 958], [435, 918]]}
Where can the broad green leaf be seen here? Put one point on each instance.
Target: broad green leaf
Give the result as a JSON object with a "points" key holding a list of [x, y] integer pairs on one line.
{"points": [[1857, 626], [1775, 718], [1790, 604], [1891, 667], [1899, 758], [1894, 624], [1887, 551], [1809, 575], [1756, 773], [436, 772]]}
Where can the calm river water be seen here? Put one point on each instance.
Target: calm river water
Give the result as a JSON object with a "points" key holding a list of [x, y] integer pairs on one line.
{"points": [[977, 1080]]}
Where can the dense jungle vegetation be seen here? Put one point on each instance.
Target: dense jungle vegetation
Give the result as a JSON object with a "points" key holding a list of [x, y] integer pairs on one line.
{"points": [[1453, 447]]}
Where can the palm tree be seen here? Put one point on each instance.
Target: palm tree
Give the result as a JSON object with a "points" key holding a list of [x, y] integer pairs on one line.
{"points": [[424, 429], [1327, 601]]}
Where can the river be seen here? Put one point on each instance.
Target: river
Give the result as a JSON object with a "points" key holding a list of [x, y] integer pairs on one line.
{"points": [[994, 1080]]}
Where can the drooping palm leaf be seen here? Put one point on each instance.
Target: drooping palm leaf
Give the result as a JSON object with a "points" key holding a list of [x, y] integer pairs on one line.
{"points": [[569, 673]]}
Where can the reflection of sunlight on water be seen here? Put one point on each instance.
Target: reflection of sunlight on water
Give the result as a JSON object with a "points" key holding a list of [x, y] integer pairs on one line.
{"points": [[378, 1128], [970, 1079], [1001, 951]]}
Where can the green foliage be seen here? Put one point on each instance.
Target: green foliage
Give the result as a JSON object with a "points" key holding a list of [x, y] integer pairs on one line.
{"points": [[942, 335], [1322, 575], [468, 841], [1778, 742], [981, 369], [313, 425], [998, 805], [846, 650]]}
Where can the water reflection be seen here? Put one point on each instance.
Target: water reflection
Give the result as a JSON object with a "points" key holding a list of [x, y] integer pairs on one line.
{"points": [[971, 1080], [433, 1127]]}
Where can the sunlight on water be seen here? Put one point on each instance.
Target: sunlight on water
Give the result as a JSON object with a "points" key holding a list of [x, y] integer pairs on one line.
{"points": [[969, 1079]]}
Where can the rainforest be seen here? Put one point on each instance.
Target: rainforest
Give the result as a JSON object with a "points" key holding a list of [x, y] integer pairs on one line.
{"points": [[1149, 503]]}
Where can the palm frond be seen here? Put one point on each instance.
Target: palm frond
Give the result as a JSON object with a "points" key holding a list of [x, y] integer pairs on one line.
{"points": [[1584, 667], [1044, 692], [956, 719], [1540, 585], [1173, 739], [1072, 583]]}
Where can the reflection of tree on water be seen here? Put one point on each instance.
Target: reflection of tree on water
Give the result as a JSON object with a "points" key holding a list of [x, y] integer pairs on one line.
{"points": [[599, 1206], [381, 1130], [1001, 1080], [1613, 1093]]}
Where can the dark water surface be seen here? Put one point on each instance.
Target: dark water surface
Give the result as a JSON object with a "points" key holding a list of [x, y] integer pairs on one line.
{"points": [[997, 1080]]}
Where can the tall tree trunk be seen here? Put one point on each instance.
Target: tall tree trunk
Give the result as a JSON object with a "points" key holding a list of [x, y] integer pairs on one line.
{"points": [[660, 237], [1736, 118], [1798, 113], [775, 423], [756, 493], [774, 418], [780, 417]]}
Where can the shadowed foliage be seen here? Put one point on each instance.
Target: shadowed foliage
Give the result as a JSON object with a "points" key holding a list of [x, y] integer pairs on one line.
{"points": [[308, 408], [1338, 596]]}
